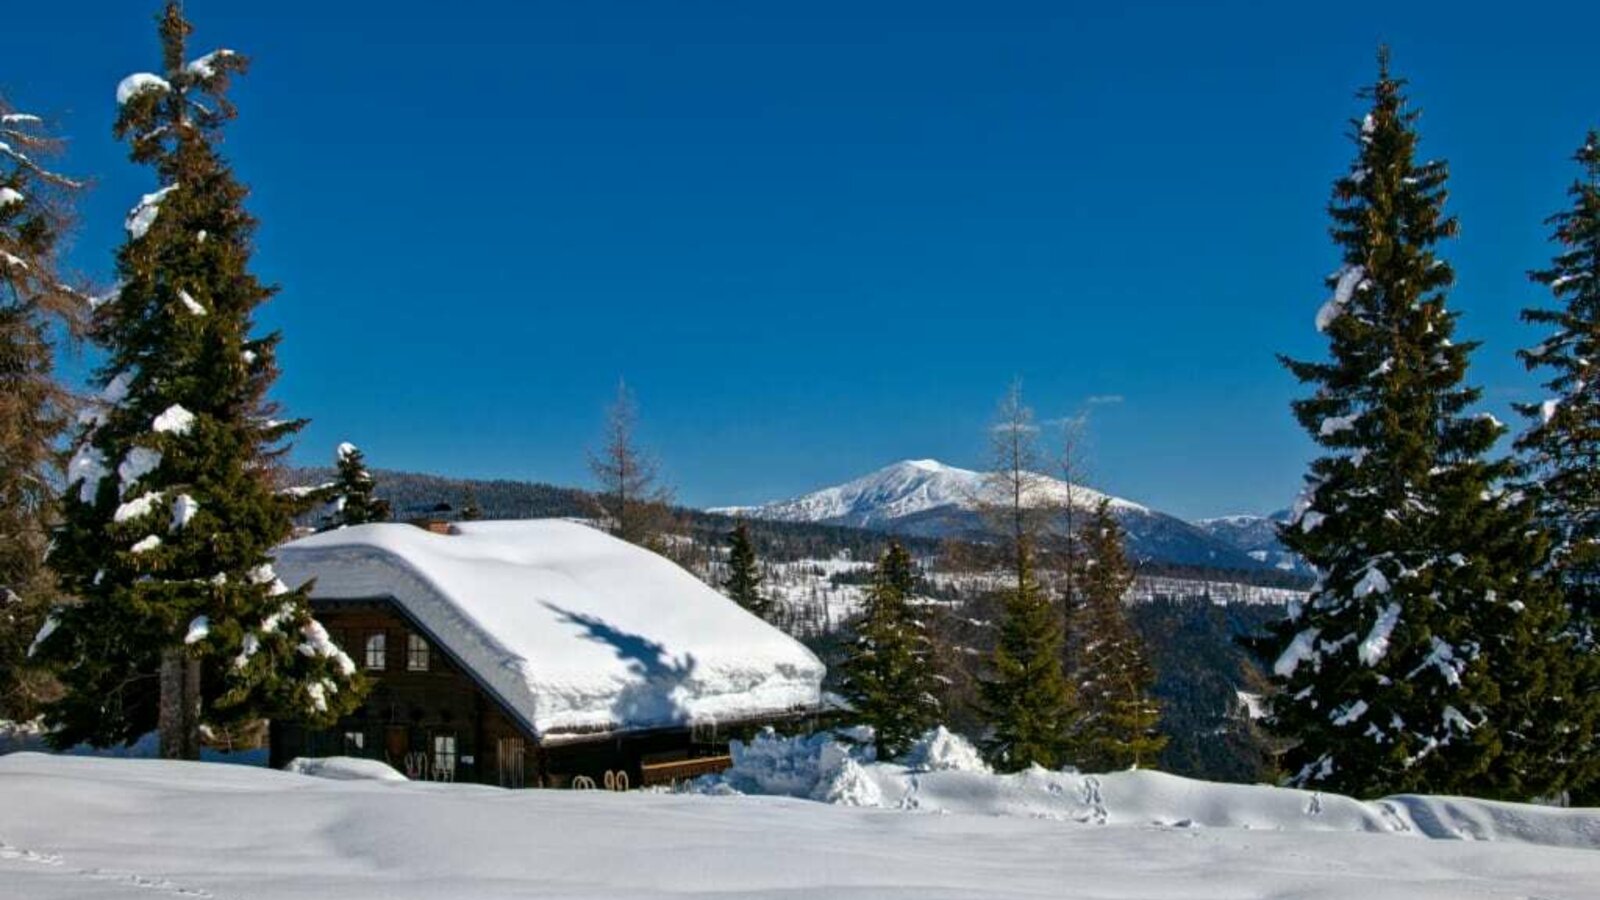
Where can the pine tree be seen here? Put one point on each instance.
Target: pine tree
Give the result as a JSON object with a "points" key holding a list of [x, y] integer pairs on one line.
{"points": [[1561, 447], [632, 502], [351, 498], [1026, 699], [743, 583], [171, 509], [1428, 650], [470, 510], [35, 207], [1117, 721], [889, 675]]}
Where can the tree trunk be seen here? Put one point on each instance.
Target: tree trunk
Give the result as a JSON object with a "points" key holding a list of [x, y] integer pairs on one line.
{"points": [[179, 720]]}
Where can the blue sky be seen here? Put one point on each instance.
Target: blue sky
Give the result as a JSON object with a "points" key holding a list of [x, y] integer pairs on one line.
{"points": [[820, 237]]}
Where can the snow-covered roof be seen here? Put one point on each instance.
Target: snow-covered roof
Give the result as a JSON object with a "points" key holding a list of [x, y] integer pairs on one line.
{"points": [[575, 631]]}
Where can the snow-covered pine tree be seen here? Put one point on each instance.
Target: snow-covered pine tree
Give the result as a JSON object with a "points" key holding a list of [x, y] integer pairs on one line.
{"points": [[351, 499], [1562, 445], [1026, 699], [171, 509], [1117, 722], [35, 410], [743, 583], [1025, 696], [889, 674], [1429, 656]]}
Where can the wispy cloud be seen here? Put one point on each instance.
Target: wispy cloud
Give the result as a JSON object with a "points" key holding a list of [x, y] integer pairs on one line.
{"points": [[1103, 400]]}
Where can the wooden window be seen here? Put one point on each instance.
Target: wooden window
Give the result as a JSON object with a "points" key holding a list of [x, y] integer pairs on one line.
{"points": [[355, 743], [416, 653], [378, 651], [444, 757]]}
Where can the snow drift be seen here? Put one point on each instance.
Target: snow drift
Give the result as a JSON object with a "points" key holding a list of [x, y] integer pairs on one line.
{"points": [[943, 773], [344, 768]]}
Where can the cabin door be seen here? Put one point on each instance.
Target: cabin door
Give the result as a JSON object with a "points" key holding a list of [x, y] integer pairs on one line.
{"points": [[396, 743], [509, 755]]}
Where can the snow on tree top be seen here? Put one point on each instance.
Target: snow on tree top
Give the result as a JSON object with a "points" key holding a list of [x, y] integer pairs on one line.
{"points": [[138, 83], [9, 196], [571, 628], [347, 450]]}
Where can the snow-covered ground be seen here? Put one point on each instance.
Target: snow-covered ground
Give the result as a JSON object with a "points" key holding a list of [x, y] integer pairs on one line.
{"points": [[92, 828]]}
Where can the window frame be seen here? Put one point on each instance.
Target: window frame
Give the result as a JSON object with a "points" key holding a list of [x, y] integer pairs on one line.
{"points": [[446, 758], [375, 651], [419, 653]]}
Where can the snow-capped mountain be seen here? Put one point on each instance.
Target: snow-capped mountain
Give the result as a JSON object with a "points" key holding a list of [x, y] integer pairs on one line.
{"points": [[1256, 536], [928, 498]]}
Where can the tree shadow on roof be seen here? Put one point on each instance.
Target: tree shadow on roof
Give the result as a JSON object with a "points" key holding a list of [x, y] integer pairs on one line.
{"points": [[653, 698]]}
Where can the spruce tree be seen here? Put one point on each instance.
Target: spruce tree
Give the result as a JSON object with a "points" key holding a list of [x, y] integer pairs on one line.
{"points": [[35, 410], [1429, 656], [470, 510], [1025, 696], [1117, 720], [1026, 699], [171, 510], [889, 675], [1562, 445], [743, 583], [351, 498]]}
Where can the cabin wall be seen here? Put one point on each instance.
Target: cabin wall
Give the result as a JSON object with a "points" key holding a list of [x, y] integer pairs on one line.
{"points": [[423, 715]]}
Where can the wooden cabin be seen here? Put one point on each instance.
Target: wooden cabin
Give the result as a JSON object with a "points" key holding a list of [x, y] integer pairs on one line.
{"points": [[538, 653]]}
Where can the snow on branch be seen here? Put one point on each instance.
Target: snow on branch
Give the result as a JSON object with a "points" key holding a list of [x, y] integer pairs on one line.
{"points": [[205, 66], [138, 83], [142, 216]]}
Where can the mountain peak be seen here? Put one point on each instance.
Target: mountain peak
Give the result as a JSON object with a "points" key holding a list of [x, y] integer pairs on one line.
{"points": [[928, 498]]}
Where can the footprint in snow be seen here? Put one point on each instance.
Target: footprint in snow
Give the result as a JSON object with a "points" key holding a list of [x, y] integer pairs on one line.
{"points": [[10, 853]]}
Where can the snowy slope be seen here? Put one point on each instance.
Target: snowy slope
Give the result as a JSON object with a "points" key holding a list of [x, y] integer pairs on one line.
{"points": [[1256, 536], [928, 498], [904, 489], [570, 627], [81, 828]]}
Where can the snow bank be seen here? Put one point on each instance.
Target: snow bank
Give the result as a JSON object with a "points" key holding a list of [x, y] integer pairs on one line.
{"points": [[29, 737], [941, 750], [344, 768], [73, 828], [943, 773], [571, 628]]}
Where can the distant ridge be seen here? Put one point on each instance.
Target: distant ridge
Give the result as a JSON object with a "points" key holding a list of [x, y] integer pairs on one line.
{"points": [[928, 498]]}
